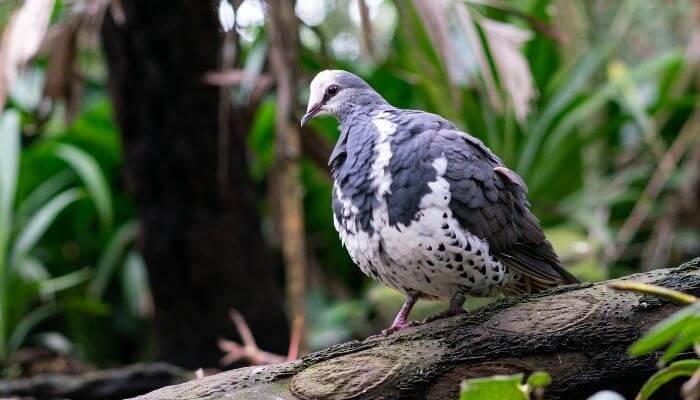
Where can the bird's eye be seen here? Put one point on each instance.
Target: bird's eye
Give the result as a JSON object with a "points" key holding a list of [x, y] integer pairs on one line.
{"points": [[332, 90]]}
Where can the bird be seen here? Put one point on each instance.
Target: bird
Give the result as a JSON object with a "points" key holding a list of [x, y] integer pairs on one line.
{"points": [[425, 208]]}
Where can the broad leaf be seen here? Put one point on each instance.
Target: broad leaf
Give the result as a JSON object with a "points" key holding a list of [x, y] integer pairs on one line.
{"points": [[665, 331], [89, 171], [675, 370], [494, 388], [135, 285], [9, 164], [111, 256], [28, 322], [40, 222]]}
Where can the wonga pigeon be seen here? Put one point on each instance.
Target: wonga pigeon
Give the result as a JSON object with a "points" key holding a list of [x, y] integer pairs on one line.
{"points": [[426, 208]]}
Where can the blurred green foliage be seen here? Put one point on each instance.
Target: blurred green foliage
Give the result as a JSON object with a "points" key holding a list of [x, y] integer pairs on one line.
{"points": [[612, 95]]}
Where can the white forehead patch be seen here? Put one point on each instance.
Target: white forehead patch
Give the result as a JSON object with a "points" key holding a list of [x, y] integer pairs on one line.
{"points": [[323, 79]]}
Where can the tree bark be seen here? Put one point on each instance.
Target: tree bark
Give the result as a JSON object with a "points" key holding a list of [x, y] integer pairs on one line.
{"points": [[200, 227], [578, 333], [109, 384], [286, 177]]}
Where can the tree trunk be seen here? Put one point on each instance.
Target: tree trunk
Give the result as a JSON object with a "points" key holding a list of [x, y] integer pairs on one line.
{"points": [[579, 334], [200, 228], [286, 177]]}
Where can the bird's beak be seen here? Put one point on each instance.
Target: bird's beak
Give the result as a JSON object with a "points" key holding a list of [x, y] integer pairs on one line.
{"points": [[310, 113]]}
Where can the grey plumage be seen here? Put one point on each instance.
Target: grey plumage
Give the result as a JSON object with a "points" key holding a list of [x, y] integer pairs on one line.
{"points": [[426, 208]]}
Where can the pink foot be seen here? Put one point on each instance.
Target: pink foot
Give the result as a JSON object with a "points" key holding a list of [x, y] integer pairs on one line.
{"points": [[398, 327]]}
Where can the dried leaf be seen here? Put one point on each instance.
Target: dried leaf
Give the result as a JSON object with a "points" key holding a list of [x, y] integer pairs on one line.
{"points": [[504, 41], [433, 13], [468, 26], [21, 40], [63, 80]]}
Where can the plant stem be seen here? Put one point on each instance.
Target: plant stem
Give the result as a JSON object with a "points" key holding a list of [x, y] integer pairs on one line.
{"points": [[678, 297]]}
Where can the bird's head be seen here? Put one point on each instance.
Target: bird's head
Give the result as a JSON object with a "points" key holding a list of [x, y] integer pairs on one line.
{"points": [[332, 91]]}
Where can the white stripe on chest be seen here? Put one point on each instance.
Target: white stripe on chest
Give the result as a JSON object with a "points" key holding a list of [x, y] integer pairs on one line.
{"points": [[381, 179]]}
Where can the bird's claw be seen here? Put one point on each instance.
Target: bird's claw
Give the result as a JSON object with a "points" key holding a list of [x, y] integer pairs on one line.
{"points": [[445, 314]]}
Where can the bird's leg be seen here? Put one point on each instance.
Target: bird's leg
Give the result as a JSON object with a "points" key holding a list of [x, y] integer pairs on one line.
{"points": [[455, 308], [402, 316]]}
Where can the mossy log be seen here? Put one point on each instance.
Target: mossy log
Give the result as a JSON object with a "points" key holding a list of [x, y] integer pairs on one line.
{"points": [[579, 334]]}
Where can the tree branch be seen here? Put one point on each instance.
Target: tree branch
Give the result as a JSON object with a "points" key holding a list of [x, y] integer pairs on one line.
{"points": [[578, 333]]}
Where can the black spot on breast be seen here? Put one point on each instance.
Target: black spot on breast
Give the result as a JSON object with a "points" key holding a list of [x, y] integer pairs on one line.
{"points": [[458, 257], [471, 262], [464, 275], [460, 268], [444, 215], [426, 278], [471, 279], [468, 247], [432, 264], [482, 269], [478, 252], [449, 266], [441, 247], [445, 226]]}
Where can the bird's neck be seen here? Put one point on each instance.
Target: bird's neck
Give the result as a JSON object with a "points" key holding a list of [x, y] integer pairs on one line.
{"points": [[364, 104]]}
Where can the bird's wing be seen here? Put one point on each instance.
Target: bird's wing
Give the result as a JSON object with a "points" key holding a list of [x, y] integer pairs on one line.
{"points": [[489, 201]]}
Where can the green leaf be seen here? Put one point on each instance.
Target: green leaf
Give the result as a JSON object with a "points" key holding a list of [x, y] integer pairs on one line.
{"points": [[111, 256], [663, 332], [28, 322], [494, 388], [582, 112], [40, 222], [67, 281], [687, 337], [89, 171], [135, 284], [539, 379], [9, 165], [39, 196], [675, 370], [31, 269], [577, 79]]}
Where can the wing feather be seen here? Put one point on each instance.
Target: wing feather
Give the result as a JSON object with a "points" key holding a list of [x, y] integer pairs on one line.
{"points": [[489, 200]]}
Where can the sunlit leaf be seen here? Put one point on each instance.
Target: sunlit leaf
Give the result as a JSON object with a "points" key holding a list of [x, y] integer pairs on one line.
{"points": [[666, 330], [675, 370], [493, 388], [137, 292], [89, 171], [51, 286], [9, 164], [539, 379], [684, 341], [31, 269]]}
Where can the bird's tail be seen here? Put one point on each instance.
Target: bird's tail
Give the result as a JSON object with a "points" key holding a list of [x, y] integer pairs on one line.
{"points": [[538, 266]]}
